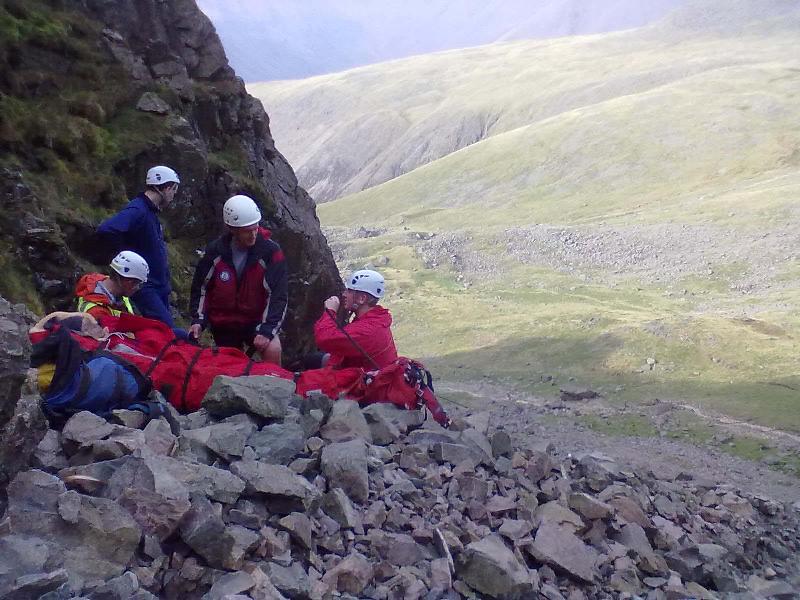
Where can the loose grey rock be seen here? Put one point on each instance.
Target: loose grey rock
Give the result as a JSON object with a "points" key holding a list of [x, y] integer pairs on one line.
{"points": [[82, 429], [598, 470], [345, 466], [291, 580], [230, 584], [278, 443], [489, 567], [135, 419], [299, 527], [21, 435], [397, 549], [157, 515], [515, 529], [560, 548], [441, 575], [262, 396], [539, 465], [384, 431], [589, 507], [204, 531], [99, 541], [119, 588], [389, 422], [337, 505], [346, 422], [48, 455], [316, 401], [501, 444], [37, 584], [474, 439], [284, 490], [350, 576], [555, 514], [446, 452], [226, 440], [21, 555], [170, 477]]}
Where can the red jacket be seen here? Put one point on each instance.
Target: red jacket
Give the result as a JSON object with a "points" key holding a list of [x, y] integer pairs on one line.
{"points": [[372, 332], [258, 299], [96, 304]]}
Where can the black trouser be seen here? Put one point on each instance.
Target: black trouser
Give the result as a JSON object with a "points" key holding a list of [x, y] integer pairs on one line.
{"points": [[236, 337], [314, 360]]}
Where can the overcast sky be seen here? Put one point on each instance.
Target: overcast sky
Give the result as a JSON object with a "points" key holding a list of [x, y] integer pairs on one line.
{"points": [[290, 39]]}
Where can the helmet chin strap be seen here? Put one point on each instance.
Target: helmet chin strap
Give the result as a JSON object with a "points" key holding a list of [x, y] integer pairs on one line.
{"points": [[163, 201]]}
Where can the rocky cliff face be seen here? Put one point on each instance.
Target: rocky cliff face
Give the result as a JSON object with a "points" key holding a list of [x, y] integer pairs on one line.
{"points": [[92, 93]]}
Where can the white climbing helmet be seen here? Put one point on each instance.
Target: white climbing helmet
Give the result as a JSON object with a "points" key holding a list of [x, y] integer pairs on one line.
{"points": [[367, 281], [240, 211], [161, 175], [131, 265]]}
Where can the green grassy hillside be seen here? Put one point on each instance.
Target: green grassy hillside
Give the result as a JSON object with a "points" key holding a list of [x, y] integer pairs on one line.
{"points": [[638, 239], [352, 130]]}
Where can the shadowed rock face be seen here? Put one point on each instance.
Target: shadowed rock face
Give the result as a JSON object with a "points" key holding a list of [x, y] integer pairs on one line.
{"points": [[179, 46], [22, 424], [14, 351], [150, 78]]}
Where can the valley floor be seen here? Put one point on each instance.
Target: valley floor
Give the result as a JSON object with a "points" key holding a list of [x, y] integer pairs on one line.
{"points": [[670, 440]]}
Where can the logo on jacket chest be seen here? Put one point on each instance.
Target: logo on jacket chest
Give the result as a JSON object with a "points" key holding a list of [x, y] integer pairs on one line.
{"points": [[225, 276]]}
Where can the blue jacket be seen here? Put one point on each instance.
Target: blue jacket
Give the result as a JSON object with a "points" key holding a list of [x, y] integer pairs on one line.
{"points": [[136, 227]]}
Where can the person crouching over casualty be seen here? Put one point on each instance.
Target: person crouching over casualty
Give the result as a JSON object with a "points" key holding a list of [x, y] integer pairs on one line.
{"points": [[240, 286], [366, 341], [103, 295]]}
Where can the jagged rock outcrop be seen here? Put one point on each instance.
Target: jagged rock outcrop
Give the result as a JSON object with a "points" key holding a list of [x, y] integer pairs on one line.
{"points": [[22, 423], [202, 515], [94, 92]]}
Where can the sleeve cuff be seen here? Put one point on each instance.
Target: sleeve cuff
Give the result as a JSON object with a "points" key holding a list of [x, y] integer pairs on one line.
{"points": [[265, 331]]}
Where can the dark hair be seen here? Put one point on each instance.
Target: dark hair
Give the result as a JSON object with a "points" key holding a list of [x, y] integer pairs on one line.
{"points": [[163, 186]]}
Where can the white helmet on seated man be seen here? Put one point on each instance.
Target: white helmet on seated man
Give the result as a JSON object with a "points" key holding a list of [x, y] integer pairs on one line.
{"points": [[363, 290], [367, 281], [130, 265]]}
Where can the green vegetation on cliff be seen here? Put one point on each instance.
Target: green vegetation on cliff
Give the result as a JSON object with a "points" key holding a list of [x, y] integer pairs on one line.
{"points": [[72, 139]]}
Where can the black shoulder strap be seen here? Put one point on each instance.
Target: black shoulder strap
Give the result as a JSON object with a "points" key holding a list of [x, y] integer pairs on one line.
{"points": [[189, 369], [159, 357], [248, 367], [429, 380]]}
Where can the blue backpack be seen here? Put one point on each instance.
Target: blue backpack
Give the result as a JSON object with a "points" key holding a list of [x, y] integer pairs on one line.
{"points": [[98, 381]]}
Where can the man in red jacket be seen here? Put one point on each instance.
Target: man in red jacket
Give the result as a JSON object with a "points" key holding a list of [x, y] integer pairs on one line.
{"points": [[108, 295], [367, 340], [240, 287]]}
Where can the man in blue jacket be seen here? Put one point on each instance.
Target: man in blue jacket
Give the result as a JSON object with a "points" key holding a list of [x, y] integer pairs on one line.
{"points": [[136, 227]]}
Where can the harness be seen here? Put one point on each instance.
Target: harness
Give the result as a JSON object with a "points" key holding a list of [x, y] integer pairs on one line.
{"points": [[86, 306]]}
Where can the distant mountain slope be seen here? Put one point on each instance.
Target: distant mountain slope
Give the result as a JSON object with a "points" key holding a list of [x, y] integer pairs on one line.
{"points": [[624, 217], [353, 130], [675, 148], [287, 39]]}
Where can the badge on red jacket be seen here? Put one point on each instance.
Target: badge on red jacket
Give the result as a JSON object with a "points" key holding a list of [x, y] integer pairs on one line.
{"points": [[225, 276]]}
